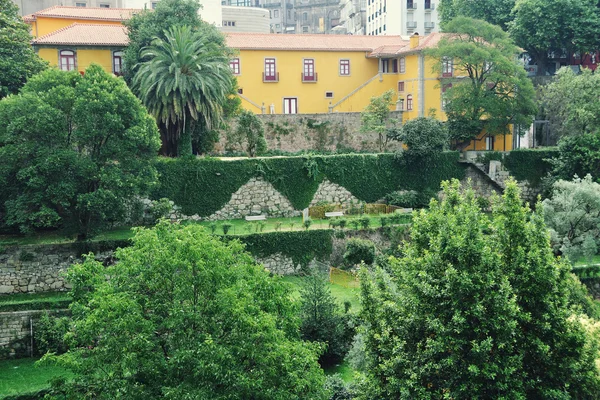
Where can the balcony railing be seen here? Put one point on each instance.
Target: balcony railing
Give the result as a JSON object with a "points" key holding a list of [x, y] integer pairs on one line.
{"points": [[309, 78], [411, 5], [411, 24], [429, 25], [270, 78], [429, 7]]}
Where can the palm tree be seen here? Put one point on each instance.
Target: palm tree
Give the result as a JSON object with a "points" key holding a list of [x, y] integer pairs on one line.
{"points": [[184, 82]]}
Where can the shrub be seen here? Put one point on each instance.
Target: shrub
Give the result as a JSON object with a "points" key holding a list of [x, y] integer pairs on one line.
{"points": [[307, 222], [359, 250], [364, 222], [213, 227], [384, 220], [278, 226], [160, 208], [424, 136], [337, 389], [342, 222], [403, 198], [226, 227], [355, 223], [50, 334]]}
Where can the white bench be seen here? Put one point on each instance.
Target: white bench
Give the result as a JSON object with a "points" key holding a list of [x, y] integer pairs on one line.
{"points": [[255, 217], [405, 210], [334, 214]]}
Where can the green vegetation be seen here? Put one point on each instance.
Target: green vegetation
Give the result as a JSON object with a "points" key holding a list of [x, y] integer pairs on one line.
{"points": [[186, 314], [18, 377], [368, 177], [35, 301], [249, 134], [424, 136], [184, 81], [496, 12], [341, 292], [530, 164], [496, 93], [578, 155], [376, 118], [18, 60], [76, 152], [460, 266]]}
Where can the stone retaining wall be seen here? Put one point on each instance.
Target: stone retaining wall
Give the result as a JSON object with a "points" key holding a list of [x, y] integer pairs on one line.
{"points": [[15, 331], [332, 193], [323, 132]]}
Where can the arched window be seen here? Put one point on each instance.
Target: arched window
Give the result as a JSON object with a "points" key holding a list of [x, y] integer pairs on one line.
{"points": [[118, 63], [409, 102], [67, 60]]}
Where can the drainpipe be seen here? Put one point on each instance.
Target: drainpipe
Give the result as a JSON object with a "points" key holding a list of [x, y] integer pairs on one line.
{"points": [[421, 84]]}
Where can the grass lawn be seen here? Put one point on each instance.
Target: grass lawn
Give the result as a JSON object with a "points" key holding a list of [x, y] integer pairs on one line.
{"points": [[344, 369], [341, 293], [34, 301], [585, 261], [238, 227], [21, 376]]}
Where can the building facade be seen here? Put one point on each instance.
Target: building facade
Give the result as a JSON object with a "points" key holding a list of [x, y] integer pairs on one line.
{"points": [[402, 17], [353, 18], [245, 19]]}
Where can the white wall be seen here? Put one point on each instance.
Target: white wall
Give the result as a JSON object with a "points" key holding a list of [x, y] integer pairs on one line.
{"points": [[246, 19]]}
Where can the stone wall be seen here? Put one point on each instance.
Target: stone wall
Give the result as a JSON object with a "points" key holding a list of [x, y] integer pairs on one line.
{"points": [[15, 331], [332, 193], [482, 184], [331, 132], [28, 269]]}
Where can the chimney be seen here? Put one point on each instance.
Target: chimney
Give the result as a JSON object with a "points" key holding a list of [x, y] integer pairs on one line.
{"points": [[414, 40]]}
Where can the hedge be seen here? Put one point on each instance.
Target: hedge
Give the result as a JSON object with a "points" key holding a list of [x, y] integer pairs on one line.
{"points": [[530, 164], [203, 186], [301, 246]]}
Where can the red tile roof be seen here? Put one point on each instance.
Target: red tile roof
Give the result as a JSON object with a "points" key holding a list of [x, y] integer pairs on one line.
{"points": [[86, 34], [91, 13], [425, 42], [273, 41]]}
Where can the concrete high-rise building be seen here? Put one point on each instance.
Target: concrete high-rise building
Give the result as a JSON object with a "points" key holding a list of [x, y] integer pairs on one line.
{"points": [[353, 18], [401, 17]]}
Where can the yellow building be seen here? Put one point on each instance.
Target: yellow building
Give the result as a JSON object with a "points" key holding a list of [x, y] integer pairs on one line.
{"points": [[278, 74]]}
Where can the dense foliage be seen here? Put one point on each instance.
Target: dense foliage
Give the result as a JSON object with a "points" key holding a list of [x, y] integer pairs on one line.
{"points": [[544, 27], [184, 315], [496, 12], [76, 152], [477, 308], [322, 320], [203, 186], [18, 60], [424, 136], [376, 117], [249, 134], [530, 164], [573, 217], [578, 155], [184, 82], [359, 251], [496, 92], [570, 102]]}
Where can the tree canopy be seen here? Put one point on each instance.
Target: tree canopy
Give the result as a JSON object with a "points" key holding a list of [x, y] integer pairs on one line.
{"points": [[376, 117], [424, 136], [185, 316], [18, 61], [76, 151], [571, 103], [249, 133], [476, 308], [544, 26], [496, 92], [496, 12], [184, 82]]}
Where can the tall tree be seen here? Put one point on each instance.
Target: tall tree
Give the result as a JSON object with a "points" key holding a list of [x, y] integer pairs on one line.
{"points": [[570, 102], [496, 12], [496, 92], [544, 26], [76, 151], [18, 61], [376, 118], [249, 134], [476, 308], [185, 316], [185, 82]]}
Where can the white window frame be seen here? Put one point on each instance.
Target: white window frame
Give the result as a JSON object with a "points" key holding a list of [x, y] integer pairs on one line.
{"points": [[291, 101]]}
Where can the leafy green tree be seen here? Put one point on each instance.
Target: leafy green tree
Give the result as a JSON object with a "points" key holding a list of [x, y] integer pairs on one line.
{"points": [[184, 82], [424, 136], [496, 12], [249, 133], [573, 217], [322, 320], [578, 155], [18, 61], [185, 316], [76, 152], [543, 26], [376, 117], [570, 102], [476, 308], [496, 92]]}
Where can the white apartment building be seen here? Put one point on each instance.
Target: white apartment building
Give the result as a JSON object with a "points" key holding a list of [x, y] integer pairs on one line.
{"points": [[401, 17], [352, 18]]}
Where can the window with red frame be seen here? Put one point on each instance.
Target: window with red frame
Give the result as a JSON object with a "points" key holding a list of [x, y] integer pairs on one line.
{"points": [[401, 86], [118, 63], [309, 70], [235, 66], [67, 60], [409, 102], [447, 67], [270, 70], [344, 67]]}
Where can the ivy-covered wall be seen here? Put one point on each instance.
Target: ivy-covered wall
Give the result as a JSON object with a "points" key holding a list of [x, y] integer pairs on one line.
{"points": [[530, 164], [203, 186]]}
